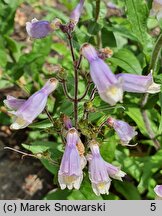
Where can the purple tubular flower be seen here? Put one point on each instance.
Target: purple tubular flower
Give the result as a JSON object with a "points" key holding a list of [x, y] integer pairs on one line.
{"points": [[70, 174], [28, 110], [109, 87], [39, 29], [123, 129], [13, 103], [139, 83], [115, 172], [158, 190], [100, 171], [75, 14]]}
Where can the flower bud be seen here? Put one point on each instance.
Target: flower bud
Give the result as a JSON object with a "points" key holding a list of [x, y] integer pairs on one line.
{"points": [[75, 14]]}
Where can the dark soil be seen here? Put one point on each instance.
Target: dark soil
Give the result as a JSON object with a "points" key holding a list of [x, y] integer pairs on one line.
{"points": [[21, 178]]}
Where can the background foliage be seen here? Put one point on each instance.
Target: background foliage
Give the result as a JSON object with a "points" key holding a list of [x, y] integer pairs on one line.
{"points": [[131, 34]]}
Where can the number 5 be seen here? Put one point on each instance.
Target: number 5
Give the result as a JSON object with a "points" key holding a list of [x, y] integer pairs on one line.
{"points": [[153, 207]]}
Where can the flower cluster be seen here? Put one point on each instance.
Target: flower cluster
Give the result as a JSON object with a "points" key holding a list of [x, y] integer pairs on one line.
{"points": [[70, 174], [110, 87]]}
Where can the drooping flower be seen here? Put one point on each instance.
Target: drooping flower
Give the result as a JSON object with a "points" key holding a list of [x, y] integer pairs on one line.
{"points": [[40, 29], [70, 174], [109, 87], [156, 9], [139, 83], [27, 110], [123, 129], [76, 13], [158, 190], [100, 171]]}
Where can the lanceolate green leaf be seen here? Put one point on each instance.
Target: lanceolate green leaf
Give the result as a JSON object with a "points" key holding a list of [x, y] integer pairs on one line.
{"points": [[125, 59], [151, 166], [137, 13], [128, 190]]}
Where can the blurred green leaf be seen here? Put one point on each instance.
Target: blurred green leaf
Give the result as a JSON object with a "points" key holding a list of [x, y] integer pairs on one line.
{"points": [[38, 147], [137, 13], [108, 38], [131, 165], [108, 147], [57, 194], [125, 59], [13, 47], [51, 167], [94, 27], [136, 115], [152, 165], [42, 124], [3, 58], [128, 190]]}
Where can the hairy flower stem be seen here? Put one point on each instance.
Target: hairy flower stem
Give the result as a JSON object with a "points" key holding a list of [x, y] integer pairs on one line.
{"points": [[49, 117], [66, 91], [86, 91], [152, 66], [21, 152], [92, 95], [75, 64], [79, 62]]}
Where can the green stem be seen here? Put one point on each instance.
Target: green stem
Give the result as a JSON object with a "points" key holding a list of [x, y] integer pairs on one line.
{"points": [[156, 53], [97, 9], [152, 66]]}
